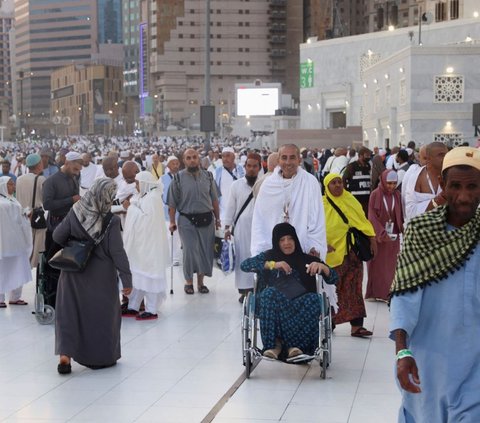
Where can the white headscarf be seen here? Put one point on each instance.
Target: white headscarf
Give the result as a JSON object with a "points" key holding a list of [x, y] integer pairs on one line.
{"points": [[94, 206], [4, 189], [15, 230], [148, 182]]}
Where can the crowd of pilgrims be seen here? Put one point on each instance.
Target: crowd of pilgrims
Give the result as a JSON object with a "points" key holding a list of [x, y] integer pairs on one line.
{"points": [[128, 183]]}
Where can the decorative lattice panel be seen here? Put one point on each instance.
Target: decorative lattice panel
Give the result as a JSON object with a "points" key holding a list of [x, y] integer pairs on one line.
{"points": [[367, 60], [449, 139], [403, 91], [448, 89]]}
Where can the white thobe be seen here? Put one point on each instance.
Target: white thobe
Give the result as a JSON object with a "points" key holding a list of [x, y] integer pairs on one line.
{"points": [[239, 193], [302, 196], [339, 164], [87, 177]]}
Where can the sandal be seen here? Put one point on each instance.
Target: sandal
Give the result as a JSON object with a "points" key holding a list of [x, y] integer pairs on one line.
{"points": [[18, 302], [361, 332], [188, 289], [3, 305], [203, 289]]}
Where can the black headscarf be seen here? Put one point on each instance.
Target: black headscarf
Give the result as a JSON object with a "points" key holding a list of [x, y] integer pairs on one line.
{"points": [[298, 259]]}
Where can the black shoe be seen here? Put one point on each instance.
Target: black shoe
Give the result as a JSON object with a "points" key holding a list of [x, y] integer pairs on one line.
{"points": [[64, 368]]}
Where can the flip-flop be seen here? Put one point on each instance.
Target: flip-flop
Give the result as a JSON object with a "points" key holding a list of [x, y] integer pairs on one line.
{"points": [[361, 333], [203, 289], [3, 305], [188, 289], [18, 302]]}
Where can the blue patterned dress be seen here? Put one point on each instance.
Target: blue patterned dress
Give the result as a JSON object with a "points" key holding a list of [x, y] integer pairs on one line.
{"points": [[293, 321]]}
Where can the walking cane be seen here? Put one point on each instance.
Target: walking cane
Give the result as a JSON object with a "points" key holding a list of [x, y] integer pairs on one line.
{"points": [[171, 265]]}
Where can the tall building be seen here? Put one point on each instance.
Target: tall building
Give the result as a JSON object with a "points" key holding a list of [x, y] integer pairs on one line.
{"points": [[48, 35], [6, 22], [110, 24], [87, 99], [248, 41]]}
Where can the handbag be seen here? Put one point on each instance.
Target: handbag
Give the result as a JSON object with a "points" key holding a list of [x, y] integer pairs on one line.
{"points": [[227, 257], [356, 239], [75, 255], [37, 219], [289, 286], [199, 219]]}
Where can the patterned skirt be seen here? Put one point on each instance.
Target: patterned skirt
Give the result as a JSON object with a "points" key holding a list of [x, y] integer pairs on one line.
{"points": [[349, 290], [295, 321]]}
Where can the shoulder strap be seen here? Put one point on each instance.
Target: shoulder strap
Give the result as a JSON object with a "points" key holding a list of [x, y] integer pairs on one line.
{"points": [[106, 223], [247, 201], [337, 209], [34, 191], [231, 174]]}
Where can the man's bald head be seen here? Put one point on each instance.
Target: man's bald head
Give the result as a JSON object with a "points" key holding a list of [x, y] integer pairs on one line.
{"points": [[129, 171], [272, 161], [110, 167]]}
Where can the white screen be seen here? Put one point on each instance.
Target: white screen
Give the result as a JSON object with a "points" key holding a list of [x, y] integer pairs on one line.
{"points": [[257, 101]]}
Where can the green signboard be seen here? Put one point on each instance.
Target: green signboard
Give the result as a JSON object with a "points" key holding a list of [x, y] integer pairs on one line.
{"points": [[306, 74]]}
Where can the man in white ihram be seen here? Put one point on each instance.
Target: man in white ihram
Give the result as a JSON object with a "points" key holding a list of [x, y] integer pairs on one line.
{"points": [[238, 216], [290, 195]]}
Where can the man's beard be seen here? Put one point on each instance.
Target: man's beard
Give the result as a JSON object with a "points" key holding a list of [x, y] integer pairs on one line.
{"points": [[251, 180], [193, 169]]}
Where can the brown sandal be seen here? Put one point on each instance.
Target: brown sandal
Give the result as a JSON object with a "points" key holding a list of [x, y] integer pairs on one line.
{"points": [[361, 333], [188, 289]]}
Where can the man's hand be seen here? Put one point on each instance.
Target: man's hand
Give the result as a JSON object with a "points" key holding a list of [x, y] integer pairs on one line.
{"points": [[126, 204], [227, 235], [218, 224], [76, 198], [127, 291], [406, 367], [172, 227]]}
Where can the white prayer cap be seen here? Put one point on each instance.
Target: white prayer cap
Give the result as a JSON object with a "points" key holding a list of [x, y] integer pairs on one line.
{"points": [[228, 150], [382, 152], [409, 151], [171, 158], [72, 156], [125, 154]]}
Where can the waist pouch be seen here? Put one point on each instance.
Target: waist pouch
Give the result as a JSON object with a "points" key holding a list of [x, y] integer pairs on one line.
{"points": [[199, 219]]}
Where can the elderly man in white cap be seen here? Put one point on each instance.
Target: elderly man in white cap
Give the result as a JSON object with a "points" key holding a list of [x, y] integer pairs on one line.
{"points": [[30, 196], [173, 166], [60, 193], [225, 175]]}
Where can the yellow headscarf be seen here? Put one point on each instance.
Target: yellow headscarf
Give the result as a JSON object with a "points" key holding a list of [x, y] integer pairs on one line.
{"points": [[336, 228]]}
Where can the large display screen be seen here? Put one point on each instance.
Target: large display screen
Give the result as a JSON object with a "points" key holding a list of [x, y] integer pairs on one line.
{"points": [[257, 101]]}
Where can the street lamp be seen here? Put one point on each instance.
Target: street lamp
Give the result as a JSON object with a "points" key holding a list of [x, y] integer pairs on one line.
{"points": [[110, 112]]}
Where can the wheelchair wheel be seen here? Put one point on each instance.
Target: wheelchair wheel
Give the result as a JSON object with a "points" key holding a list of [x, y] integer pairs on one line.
{"points": [[324, 365], [47, 316], [248, 363]]}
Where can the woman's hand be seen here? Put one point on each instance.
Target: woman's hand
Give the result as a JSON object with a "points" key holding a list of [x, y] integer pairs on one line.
{"points": [[126, 291], [283, 265], [330, 249], [315, 268]]}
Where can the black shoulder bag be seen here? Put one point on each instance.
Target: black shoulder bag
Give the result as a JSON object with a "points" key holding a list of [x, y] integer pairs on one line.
{"points": [[247, 201], [37, 220], [75, 255], [356, 239]]}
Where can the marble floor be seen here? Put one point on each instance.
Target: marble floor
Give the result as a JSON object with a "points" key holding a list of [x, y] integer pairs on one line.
{"points": [[187, 367]]}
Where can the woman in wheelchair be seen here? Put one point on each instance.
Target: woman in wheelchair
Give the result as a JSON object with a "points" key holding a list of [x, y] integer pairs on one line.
{"points": [[289, 306]]}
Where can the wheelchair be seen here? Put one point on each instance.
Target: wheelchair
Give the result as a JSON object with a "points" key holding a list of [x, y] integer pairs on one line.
{"points": [[252, 354], [46, 291]]}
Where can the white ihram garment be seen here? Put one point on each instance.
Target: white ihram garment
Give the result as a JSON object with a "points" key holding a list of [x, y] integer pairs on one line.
{"points": [[239, 192], [303, 198], [145, 239]]}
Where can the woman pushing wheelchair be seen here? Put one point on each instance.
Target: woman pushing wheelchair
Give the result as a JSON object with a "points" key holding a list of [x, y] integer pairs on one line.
{"points": [[289, 305]]}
